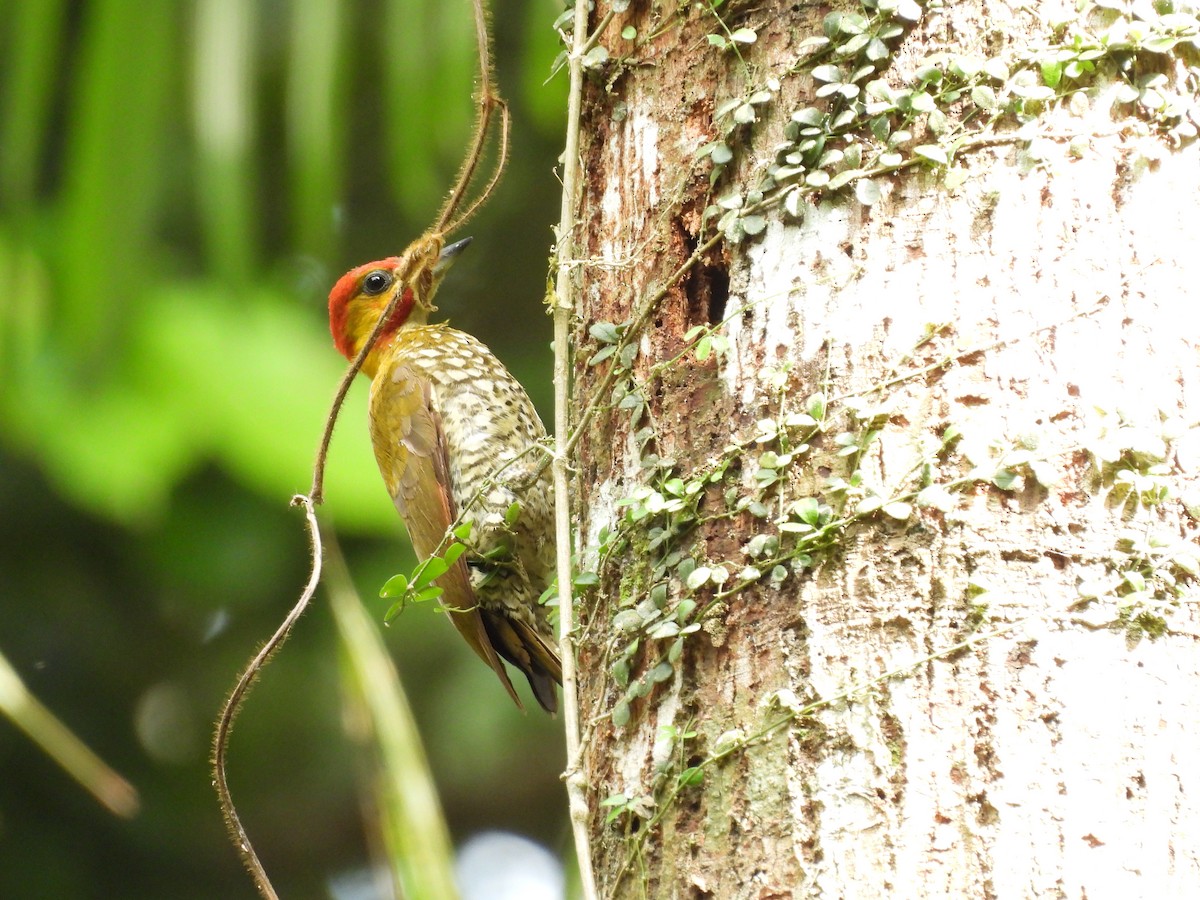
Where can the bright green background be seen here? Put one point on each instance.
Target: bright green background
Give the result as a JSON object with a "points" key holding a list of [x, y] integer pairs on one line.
{"points": [[180, 184]]}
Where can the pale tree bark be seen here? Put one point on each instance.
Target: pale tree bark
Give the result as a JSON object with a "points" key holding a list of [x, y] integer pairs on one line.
{"points": [[990, 685]]}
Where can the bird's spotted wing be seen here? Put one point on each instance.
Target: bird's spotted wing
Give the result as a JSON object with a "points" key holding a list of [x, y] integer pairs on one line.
{"points": [[410, 448]]}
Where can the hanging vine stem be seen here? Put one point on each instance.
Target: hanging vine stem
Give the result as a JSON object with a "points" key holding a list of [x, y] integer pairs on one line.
{"points": [[238, 694], [563, 308], [448, 219]]}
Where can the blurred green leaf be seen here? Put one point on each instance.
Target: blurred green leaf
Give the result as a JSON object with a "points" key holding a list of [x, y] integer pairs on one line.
{"points": [[223, 69], [428, 56], [60, 743], [414, 831], [111, 177], [317, 119], [26, 94]]}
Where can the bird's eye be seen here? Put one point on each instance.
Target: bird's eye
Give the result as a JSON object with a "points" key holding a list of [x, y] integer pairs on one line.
{"points": [[376, 282]]}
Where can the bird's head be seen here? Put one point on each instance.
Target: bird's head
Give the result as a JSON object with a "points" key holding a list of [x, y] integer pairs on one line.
{"points": [[362, 294]]}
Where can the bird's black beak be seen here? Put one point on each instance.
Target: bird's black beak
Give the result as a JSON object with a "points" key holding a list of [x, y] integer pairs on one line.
{"points": [[449, 254]]}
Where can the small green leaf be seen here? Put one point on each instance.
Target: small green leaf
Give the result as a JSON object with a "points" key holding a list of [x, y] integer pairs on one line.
{"points": [[815, 405], [664, 631], [605, 332], [432, 568], [977, 586], [1052, 72], [877, 50], [842, 178], [757, 546], [432, 592], [727, 107], [676, 650], [463, 531], [984, 97], [698, 577], [898, 510], [753, 225], [996, 69], [810, 116], [628, 354], [690, 776], [396, 586], [658, 594], [867, 191], [595, 58], [627, 621], [602, 354], [808, 510], [869, 505], [827, 74], [453, 552], [621, 713], [721, 154], [1135, 580], [793, 203], [922, 103], [629, 32], [795, 528], [620, 672], [512, 514], [731, 201], [1007, 480], [933, 153], [745, 36]]}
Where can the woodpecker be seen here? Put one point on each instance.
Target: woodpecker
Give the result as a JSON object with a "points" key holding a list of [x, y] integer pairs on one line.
{"points": [[454, 434]]}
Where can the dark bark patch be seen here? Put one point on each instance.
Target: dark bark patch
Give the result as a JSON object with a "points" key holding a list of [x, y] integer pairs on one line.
{"points": [[971, 400]]}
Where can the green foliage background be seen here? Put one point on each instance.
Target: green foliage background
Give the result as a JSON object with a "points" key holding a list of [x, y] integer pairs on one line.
{"points": [[180, 185]]}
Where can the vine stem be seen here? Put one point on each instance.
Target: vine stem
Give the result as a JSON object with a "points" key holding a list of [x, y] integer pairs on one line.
{"points": [[234, 702], [574, 778]]}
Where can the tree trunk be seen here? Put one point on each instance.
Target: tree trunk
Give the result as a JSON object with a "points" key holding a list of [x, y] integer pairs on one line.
{"points": [[896, 562]]}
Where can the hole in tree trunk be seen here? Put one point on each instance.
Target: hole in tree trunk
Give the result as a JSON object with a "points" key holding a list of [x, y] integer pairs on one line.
{"points": [[707, 292], [706, 284]]}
